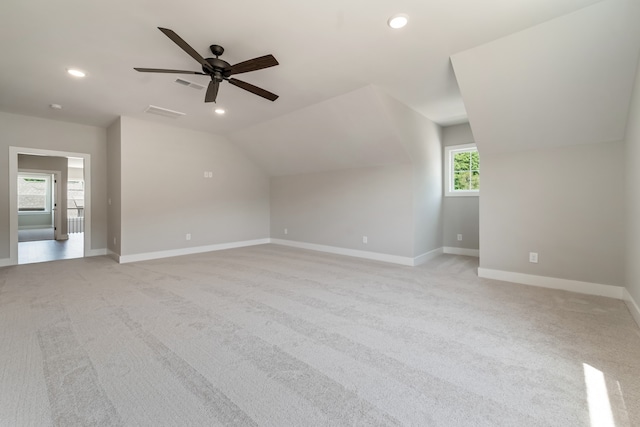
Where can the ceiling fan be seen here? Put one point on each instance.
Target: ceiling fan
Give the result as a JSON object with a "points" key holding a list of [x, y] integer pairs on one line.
{"points": [[218, 69]]}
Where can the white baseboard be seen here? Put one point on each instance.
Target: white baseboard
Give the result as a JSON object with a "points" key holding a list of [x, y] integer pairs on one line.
{"points": [[96, 252], [63, 237], [553, 283], [114, 256], [376, 256], [5, 262], [461, 251], [427, 256], [633, 306], [189, 251]]}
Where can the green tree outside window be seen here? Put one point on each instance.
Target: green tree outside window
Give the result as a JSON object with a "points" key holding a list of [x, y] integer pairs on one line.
{"points": [[466, 170]]}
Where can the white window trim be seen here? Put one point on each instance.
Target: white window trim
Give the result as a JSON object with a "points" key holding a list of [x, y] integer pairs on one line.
{"points": [[449, 151]]}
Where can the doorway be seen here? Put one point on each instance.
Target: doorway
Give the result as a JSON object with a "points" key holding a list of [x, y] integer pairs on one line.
{"points": [[66, 208]]}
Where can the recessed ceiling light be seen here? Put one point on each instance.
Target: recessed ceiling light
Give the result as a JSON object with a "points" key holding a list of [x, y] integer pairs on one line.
{"points": [[398, 21], [55, 106], [219, 111], [76, 73]]}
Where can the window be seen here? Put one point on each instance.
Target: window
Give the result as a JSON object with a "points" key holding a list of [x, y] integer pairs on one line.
{"points": [[34, 192], [462, 170]]}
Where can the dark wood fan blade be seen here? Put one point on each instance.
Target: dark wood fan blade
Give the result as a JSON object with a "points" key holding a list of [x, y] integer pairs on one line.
{"points": [[185, 46], [253, 65], [254, 89], [160, 70], [212, 91]]}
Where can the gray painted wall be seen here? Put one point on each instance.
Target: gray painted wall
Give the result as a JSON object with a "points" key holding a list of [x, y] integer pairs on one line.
{"points": [[338, 208], [398, 207], [461, 214], [49, 163], [32, 132], [164, 194], [632, 194], [422, 140], [564, 203], [114, 187]]}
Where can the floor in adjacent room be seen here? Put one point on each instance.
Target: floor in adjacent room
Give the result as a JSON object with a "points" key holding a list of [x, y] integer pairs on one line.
{"points": [[37, 245], [275, 336]]}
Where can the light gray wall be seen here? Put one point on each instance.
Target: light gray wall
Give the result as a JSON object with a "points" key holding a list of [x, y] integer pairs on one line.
{"points": [[32, 132], [34, 220], [164, 194], [422, 140], [114, 187], [338, 208], [461, 214], [632, 194], [397, 206], [457, 134], [49, 163], [564, 203]]}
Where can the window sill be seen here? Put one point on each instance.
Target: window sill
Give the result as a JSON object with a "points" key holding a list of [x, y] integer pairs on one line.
{"points": [[462, 194]]}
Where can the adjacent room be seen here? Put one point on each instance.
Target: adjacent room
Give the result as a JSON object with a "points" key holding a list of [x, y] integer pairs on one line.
{"points": [[308, 214]]}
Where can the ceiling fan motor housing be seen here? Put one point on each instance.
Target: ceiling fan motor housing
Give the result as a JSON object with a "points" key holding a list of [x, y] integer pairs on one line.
{"points": [[219, 68]]}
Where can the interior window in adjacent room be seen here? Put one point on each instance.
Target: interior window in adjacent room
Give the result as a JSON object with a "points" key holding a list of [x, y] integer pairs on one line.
{"points": [[34, 192], [462, 170]]}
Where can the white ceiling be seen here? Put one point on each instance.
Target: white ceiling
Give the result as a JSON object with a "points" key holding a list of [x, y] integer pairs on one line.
{"points": [[325, 48], [564, 82]]}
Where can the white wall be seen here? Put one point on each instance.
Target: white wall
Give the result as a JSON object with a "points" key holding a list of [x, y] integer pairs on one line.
{"points": [[32, 132], [563, 203], [632, 195], [164, 194], [461, 215]]}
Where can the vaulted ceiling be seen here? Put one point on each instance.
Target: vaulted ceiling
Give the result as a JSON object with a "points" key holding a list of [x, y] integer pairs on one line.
{"points": [[528, 73], [566, 81], [325, 49]]}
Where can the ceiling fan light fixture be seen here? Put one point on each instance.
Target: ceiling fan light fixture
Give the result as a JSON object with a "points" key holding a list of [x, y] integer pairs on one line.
{"points": [[75, 72], [398, 21]]}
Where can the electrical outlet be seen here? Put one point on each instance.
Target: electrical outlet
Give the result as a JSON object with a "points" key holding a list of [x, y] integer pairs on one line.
{"points": [[286, 231], [459, 237], [206, 174], [210, 174], [188, 236], [365, 239], [533, 257]]}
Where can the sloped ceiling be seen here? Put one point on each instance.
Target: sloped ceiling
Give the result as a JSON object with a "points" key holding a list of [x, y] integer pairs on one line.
{"points": [[325, 48], [348, 131], [563, 82]]}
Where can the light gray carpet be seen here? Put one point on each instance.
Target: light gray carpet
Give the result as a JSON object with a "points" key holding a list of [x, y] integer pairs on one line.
{"points": [[277, 336]]}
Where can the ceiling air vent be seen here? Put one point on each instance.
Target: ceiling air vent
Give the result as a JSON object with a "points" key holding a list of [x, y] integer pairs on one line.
{"points": [[184, 82], [152, 109]]}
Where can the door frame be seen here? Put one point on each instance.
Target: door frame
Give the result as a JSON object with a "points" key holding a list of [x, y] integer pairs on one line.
{"points": [[13, 195], [56, 188]]}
